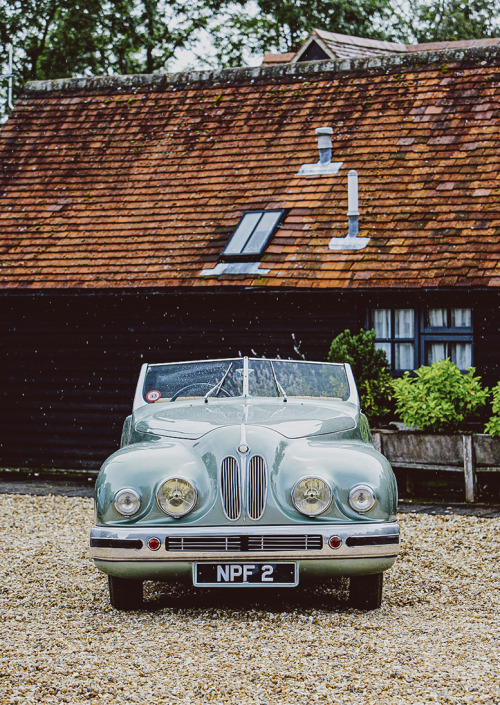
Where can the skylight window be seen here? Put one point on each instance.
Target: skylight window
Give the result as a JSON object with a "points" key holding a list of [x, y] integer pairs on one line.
{"points": [[252, 234]]}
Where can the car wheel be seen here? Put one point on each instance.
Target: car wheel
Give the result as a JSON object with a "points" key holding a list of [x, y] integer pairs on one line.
{"points": [[125, 594], [365, 591]]}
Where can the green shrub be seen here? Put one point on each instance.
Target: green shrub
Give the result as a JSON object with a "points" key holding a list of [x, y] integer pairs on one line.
{"points": [[439, 398], [370, 369], [493, 425]]}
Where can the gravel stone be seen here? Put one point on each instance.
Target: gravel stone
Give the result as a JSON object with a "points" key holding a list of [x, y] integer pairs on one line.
{"points": [[434, 640]]}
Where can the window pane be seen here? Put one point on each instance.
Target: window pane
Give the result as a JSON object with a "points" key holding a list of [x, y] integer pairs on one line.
{"points": [[242, 234], [461, 317], [461, 355], [301, 379], [264, 228], [437, 318], [436, 352], [386, 347], [193, 379], [404, 324], [381, 319], [405, 356]]}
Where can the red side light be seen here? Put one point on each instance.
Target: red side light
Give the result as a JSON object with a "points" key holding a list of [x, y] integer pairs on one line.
{"points": [[335, 542], [154, 544]]}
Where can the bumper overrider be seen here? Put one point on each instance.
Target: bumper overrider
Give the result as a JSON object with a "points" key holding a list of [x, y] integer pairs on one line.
{"points": [[324, 550]]}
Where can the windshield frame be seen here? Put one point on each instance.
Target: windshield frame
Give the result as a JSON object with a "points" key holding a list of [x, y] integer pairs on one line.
{"points": [[351, 397]]}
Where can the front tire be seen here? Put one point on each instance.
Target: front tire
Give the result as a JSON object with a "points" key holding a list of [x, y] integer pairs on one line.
{"points": [[365, 591], [125, 594]]}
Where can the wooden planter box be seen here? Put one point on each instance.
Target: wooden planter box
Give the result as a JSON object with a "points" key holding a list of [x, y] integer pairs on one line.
{"points": [[467, 453]]}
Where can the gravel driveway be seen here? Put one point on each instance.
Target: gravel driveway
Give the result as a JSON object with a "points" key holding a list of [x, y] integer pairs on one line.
{"points": [[435, 639]]}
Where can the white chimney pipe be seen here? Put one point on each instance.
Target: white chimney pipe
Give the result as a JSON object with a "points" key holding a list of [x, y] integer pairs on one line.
{"points": [[352, 193], [351, 241], [325, 144], [325, 166], [352, 203]]}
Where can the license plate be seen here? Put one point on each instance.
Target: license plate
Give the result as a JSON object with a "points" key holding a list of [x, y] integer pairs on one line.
{"points": [[245, 574]]}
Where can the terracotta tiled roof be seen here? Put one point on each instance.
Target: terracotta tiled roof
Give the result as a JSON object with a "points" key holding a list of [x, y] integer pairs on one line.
{"points": [[344, 46], [278, 58], [139, 181], [457, 44]]}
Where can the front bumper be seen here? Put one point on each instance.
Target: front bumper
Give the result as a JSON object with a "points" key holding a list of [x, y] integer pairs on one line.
{"points": [[364, 548]]}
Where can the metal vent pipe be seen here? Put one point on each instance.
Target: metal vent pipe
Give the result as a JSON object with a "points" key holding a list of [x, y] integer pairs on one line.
{"points": [[325, 144], [352, 203]]}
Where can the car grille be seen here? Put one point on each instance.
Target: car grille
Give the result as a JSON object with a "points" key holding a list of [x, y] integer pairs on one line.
{"points": [[231, 490], [230, 487], [226, 544], [257, 487]]}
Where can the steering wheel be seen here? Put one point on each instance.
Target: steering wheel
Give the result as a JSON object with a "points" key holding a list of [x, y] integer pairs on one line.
{"points": [[193, 385]]}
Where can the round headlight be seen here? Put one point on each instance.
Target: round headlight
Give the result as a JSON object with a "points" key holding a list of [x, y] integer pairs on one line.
{"points": [[176, 496], [362, 498], [127, 502], [311, 496]]}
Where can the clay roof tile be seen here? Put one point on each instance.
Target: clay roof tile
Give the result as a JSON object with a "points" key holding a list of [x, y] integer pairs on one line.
{"points": [[140, 181]]}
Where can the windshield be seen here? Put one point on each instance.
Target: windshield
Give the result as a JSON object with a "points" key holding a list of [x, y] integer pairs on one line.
{"points": [[242, 376], [218, 378]]}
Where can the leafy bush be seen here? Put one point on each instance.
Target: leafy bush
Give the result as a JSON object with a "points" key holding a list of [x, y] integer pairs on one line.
{"points": [[370, 369], [493, 425], [439, 398]]}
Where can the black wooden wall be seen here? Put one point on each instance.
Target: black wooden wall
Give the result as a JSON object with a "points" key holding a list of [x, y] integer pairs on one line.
{"points": [[70, 361]]}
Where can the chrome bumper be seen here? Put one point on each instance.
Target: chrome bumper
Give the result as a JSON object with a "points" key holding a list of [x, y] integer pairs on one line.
{"points": [[276, 543]]}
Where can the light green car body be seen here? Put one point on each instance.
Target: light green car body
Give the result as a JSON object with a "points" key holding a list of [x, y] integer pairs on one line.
{"points": [[296, 437]]}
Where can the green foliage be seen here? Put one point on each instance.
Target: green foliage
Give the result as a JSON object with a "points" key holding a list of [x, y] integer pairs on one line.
{"points": [[239, 31], [493, 425], [439, 398], [448, 20], [62, 38], [370, 369], [283, 25]]}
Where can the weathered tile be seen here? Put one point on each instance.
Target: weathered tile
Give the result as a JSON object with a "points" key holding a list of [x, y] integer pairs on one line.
{"points": [[144, 187]]}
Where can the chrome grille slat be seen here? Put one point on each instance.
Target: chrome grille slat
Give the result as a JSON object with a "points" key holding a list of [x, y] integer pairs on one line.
{"points": [[285, 543], [230, 488], [237, 544], [204, 543], [256, 487]]}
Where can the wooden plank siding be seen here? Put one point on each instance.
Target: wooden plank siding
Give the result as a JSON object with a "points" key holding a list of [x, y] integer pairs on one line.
{"points": [[70, 362]]}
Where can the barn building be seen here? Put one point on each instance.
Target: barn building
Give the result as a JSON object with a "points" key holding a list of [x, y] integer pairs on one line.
{"points": [[166, 217]]}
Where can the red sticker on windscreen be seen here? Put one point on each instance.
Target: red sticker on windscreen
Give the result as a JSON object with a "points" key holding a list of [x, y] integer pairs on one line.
{"points": [[153, 395]]}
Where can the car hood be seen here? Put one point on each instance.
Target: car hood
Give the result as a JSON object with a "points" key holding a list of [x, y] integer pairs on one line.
{"points": [[296, 418]]}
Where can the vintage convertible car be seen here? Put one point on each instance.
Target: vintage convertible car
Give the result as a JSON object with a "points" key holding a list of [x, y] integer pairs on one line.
{"points": [[245, 473]]}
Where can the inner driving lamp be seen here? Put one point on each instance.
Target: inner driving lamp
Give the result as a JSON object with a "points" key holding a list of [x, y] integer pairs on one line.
{"points": [[176, 497], [311, 496]]}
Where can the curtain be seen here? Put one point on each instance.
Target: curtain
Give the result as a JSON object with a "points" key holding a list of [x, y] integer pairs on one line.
{"points": [[404, 323], [405, 356], [461, 354], [437, 318], [461, 317], [436, 352], [381, 318]]}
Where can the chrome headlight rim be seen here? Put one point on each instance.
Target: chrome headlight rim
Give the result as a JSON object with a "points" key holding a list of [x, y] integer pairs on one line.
{"points": [[367, 490], [135, 506], [327, 486], [176, 515]]}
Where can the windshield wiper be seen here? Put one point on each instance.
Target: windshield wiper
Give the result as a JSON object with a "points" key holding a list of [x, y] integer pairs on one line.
{"points": [[217, 387], [280, 389]]}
